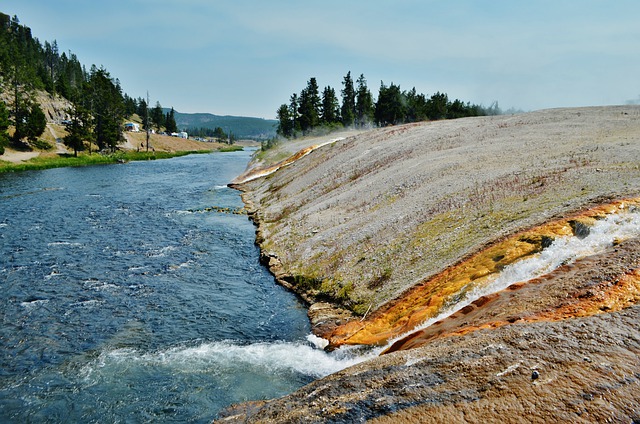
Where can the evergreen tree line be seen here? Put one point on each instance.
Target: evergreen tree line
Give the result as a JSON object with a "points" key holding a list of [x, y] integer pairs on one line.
{"points": [[99, 107], [154, 118], [218, 133], [310, 110]]}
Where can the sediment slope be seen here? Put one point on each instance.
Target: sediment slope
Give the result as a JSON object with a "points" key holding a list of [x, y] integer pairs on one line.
{"points": [[358, 226], [361, 221]]}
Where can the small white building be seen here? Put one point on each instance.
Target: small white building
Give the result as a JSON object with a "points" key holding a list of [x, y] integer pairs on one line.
{"points": [[132, 126]]}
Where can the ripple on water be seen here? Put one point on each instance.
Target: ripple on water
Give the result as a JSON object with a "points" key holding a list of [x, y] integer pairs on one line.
{"points": [[115, 301]]}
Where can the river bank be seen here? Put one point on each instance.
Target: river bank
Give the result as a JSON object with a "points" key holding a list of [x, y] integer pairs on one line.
{"points": [[134, 148], [354, 227]]}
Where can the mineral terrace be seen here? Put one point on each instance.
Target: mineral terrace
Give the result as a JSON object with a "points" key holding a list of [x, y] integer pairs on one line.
{"points": [[381, 230]]}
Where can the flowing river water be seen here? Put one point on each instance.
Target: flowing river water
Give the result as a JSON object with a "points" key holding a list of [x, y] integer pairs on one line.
{"points": [[128, 295], [126, 298]]}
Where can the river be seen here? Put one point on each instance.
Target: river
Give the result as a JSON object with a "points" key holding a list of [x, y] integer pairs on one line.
{"points": [[126, 298]]}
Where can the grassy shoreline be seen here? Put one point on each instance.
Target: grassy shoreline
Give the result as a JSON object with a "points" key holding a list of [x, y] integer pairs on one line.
{"points": [[61, 161]]}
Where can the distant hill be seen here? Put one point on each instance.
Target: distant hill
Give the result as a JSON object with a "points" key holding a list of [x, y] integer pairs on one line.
{"points": [[241, 126]]}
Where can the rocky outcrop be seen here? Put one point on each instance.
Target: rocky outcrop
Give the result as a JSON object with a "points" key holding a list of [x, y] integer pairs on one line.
{"points": [[381, 231]]}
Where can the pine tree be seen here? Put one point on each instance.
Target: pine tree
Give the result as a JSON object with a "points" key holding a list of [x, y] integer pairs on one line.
{"points": [[309, 106], [79, 130], [285, 123], [437, 106], [103, 98], [157, 116], [220, 135], [364, 103], [348, 110], [143, 111], [389, 107], [330, 113], [294, 103], [4, 126], [416, 106], [36, 123], [170, 122]]}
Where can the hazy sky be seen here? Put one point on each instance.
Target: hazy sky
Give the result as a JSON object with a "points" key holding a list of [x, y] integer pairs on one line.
{"points": [[246, 57]]}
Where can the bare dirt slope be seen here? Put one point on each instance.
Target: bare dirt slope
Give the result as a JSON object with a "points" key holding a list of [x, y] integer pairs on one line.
{"points": [[362, 220], [363, 223]]}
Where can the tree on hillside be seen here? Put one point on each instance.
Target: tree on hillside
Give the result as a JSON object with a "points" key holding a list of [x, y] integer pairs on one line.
{"points": [[79, 130], [70, 77], [143, 111], [438, 106], [36, 123], [285, 123], [220, 135], [49, 70], [348, 110], [330, 111], [29, 122], [46, 68], [170, 122], [364, 103], [104, 100], [457, 109], [22, 92], [294, 104], [130, 106], [389, 108], [392, 107], [309, 108], [157, 116], [416, 106], [4, 126]]}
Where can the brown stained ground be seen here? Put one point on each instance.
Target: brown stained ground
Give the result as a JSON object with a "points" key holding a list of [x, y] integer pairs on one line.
{"points": [[608, 282], [427, 299]]}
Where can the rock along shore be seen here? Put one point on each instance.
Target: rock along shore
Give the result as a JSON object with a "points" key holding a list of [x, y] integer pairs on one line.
{"points": [[356, 226]]}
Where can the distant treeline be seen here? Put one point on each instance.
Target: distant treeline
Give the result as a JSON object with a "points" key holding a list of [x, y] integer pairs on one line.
{"points": [[311, 110], [217, 133], [99, 106]]}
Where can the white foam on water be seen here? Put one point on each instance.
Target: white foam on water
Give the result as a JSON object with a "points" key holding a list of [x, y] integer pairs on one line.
{"points": [[136, 268], [318, 342], [99, 285], [564, 250], [176, 267], [54, 273], [34, 303], [91, 303], [63, 243], [228, 357], [162, 252]]}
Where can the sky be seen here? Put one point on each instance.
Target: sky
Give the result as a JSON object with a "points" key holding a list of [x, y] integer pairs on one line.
{"points": [[246, 57]]}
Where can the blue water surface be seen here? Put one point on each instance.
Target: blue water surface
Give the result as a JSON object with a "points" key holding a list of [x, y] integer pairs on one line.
{"points": [[124, 300]]}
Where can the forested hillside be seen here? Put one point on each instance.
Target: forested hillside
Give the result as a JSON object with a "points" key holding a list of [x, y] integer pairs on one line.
{"points": [[310, 110], [204, 124], [99, 107], [27, 66]]}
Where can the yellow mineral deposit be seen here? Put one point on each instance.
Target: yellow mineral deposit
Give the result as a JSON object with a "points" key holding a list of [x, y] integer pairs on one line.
{"points": [[428, 299]]}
